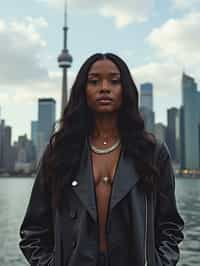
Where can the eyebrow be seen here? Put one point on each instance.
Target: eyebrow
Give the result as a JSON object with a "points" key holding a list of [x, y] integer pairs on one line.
{"points": [[97, 74]]}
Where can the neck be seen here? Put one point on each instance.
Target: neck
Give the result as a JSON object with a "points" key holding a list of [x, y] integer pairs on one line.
{"points": [[105, 126]]}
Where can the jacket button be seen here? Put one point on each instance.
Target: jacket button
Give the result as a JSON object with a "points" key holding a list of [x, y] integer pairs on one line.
{"points": [[74, 183], [73, 214]]}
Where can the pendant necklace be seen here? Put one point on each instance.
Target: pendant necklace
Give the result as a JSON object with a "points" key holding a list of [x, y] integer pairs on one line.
{"points": [[105, 179]]}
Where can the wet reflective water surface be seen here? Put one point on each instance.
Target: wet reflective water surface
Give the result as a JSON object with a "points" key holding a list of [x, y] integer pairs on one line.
{"points": [[15, 192]]}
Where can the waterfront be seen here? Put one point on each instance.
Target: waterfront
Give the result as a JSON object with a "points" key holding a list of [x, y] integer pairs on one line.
{"points": [[15, 192]]}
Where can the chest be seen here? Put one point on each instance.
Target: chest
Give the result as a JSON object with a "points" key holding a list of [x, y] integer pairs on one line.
{"points": [[104, 165]]}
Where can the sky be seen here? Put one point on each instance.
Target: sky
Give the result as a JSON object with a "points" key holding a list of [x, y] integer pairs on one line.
{"points": [[157, 39]]}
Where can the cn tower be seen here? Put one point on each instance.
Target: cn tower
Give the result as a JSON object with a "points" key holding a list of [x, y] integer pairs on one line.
{"points": [[64, 61]]}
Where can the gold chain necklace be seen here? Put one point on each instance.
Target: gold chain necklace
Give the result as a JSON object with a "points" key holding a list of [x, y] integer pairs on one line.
{"points": [[105, 179], [106, 150]]}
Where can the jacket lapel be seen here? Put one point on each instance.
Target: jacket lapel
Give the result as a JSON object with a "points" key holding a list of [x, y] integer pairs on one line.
{"points": [[124, 180], [85, 189]]}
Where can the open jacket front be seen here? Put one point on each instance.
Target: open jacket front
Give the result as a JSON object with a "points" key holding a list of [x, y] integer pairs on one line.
{"points": [[141, 229]]}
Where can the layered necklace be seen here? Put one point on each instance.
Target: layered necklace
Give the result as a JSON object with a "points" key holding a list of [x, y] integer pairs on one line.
{"points": [[105, 179], [106, 150]]}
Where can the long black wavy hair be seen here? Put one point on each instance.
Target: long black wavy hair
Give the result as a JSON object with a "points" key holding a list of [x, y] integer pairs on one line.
{"points": [[64, 149]]}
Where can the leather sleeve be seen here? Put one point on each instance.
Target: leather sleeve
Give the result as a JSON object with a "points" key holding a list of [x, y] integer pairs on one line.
{"points": [[169, 224], [36, 231]]}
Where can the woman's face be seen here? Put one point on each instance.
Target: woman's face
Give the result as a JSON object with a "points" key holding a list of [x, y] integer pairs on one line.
{"points": [[104, 88]]}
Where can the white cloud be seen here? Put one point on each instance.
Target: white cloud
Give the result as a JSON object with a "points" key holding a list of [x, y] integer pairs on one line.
{"points": [[23, 79], [38, 22], [21, 46], [74, 3], [123, 13], [4, 99], [178, 39], [133, 11], [2, 25], [186, 4], [165, 77]]}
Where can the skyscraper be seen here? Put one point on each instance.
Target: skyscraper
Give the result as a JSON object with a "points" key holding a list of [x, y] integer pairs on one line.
{"points": [[65, 61], [2, 132], [146, 95], [182, 139], [171, 133], [34, 132], [191, 120], [178, 136], [5, 146], [46, 121], [146, 105], [34, 136]]}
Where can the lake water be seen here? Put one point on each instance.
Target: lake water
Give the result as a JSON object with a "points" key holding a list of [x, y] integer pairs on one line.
{"points": [[14, 194]]}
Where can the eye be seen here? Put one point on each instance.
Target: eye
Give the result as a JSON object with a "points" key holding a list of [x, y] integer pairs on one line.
{"points": [[115, 81], [93, 81]]}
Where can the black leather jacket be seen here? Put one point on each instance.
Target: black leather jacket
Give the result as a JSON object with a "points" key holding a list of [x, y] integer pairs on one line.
{"points": [[141, 230]]}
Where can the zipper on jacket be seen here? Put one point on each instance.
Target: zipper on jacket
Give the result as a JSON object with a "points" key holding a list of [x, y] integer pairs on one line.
{"points": [[146, 228]]}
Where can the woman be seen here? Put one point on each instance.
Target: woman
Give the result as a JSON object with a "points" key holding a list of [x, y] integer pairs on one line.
{"points": [[104, 190]]}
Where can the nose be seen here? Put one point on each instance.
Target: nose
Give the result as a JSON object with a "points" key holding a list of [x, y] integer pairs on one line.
{"points": [[105, 86]]}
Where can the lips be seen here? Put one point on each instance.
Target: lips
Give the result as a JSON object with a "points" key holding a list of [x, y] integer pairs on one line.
{"points": [[104, 99]]}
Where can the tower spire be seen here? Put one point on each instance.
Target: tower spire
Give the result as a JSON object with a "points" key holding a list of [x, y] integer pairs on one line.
{"points": [[65, 28], [65, 15], [64, 61]]}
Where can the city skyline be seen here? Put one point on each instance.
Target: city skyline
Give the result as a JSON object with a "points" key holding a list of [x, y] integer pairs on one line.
{"points": [[181, 134], [140, 87], [157, 40]]}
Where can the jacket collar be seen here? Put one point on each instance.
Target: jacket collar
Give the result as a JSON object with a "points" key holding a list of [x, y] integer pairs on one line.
{"points": [[124, 180]]}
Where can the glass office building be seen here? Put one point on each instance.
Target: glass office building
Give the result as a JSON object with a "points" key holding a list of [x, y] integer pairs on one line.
{"points": [[191, 120], [46, 121]]}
